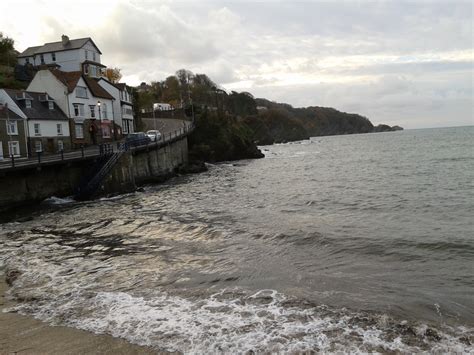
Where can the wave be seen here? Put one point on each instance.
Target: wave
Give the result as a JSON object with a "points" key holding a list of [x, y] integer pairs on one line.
{"points": [[234, 320]]}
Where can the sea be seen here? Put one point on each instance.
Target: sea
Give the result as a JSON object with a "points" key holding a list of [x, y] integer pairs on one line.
{"points": [[352, 243]]}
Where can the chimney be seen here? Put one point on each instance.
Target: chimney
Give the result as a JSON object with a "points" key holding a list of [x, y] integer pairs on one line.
{"points": [[65, 39]]}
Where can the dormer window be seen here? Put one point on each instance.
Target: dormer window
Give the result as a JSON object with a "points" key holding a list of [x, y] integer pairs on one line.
{"points": [[28, 103], [53, 56], [81, 91], [51, 105]]}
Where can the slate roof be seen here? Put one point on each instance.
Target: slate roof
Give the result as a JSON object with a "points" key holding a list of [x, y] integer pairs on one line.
{"points": [[57, 47], [39, 110]]}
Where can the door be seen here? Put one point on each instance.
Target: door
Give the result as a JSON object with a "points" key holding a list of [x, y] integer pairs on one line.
{"points": [[50, 145]]}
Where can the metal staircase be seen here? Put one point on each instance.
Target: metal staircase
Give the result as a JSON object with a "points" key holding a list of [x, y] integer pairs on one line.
{"points": [[90, 185]]}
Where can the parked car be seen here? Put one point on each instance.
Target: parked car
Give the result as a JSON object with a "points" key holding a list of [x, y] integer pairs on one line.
{"points": [[136, 139], [154, 135]]}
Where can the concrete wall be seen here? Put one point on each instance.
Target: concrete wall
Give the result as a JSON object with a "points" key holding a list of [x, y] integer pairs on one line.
{"points": [[135, 168]]}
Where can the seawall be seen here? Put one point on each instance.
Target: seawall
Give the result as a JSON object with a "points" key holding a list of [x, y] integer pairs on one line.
{"points": [[135, 167]]}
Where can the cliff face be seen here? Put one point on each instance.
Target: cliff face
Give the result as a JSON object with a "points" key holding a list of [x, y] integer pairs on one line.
{"points": [[220, 138], [281, 122]]}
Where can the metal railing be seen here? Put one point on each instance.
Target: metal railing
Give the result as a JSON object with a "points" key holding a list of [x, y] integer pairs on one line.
{"points": [[91, 152]]}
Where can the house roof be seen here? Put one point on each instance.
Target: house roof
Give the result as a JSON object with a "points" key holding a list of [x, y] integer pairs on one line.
{"points": [[57, 47], [120, 86], [96, 89], [10, 115], [70, 80], [94, 63], [39, 109]]}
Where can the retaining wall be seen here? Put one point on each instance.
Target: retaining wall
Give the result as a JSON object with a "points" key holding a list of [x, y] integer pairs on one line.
{"points": [[134, 168]]}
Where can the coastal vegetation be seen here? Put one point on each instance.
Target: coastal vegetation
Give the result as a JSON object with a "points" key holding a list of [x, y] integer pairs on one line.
{"points": [[8, 61], [230, 125]]}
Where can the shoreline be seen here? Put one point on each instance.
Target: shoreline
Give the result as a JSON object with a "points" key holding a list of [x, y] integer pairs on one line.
{"points": [[26, 335]]}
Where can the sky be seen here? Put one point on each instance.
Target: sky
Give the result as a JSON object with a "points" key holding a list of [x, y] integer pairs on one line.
{"points": [[407, 63]]}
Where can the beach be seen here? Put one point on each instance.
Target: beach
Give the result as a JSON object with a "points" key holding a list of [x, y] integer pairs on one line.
{"points": [[26, 335]]}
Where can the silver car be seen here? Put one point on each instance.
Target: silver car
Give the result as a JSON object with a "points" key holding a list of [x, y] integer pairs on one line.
{"points": [[154, 135]]}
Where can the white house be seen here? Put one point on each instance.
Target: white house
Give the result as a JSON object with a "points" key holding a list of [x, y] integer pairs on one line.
{"points": [[67, 55], [47, 127], [123, 109], [88, 105]]}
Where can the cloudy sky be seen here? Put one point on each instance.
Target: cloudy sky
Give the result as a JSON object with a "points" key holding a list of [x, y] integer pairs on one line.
{"points": [[398, 62]]}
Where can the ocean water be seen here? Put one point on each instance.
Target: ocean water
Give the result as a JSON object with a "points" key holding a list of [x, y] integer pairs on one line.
{"points": [[350, 243]]}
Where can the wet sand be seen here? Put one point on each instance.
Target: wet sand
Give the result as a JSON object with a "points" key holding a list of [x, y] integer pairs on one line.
{"points": [[24, 335]]}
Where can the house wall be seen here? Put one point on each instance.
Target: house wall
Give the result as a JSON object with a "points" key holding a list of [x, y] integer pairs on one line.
{"points": [[90, 48], [115, 92], [20, 137], [91, 100], [45, 81], [48, 128], [69, 60]]}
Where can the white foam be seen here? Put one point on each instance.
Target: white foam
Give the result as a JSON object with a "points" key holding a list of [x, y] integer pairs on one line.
{"points": [[58, 200]]}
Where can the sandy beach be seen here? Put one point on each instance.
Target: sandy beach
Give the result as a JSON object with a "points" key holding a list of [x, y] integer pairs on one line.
{"points": [[24, 335]]}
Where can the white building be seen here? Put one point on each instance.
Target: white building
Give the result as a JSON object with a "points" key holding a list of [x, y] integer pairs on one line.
{"points": [[73, 57], [67, 55], [123, 109], [85, 102], [47, 127]]}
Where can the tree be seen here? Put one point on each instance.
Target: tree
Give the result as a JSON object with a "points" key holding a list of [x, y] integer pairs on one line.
{"points": [[113, 74], [7, 51]]}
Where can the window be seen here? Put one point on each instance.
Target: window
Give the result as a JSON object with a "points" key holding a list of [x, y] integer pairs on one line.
{"points": [[86, 69], [106, 131], [28, 103], [78, 110], [53, 56], [81, 91], [79, 129], [93, 56], [37, 129], [51, 105], [38, 146], [60, 145], [27, 60], [42, 58], [14, 148], [59, 129], [87, 54], [93, 70], [92, 107], [12, 128], [104, 111]]}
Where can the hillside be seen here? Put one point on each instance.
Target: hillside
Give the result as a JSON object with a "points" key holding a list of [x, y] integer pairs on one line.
{"points": [[231, 125]]}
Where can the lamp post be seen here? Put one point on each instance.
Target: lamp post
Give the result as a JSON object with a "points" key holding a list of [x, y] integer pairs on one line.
{"points": [[100, 120], [154, 118], [100, 117], [10, 149]]}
